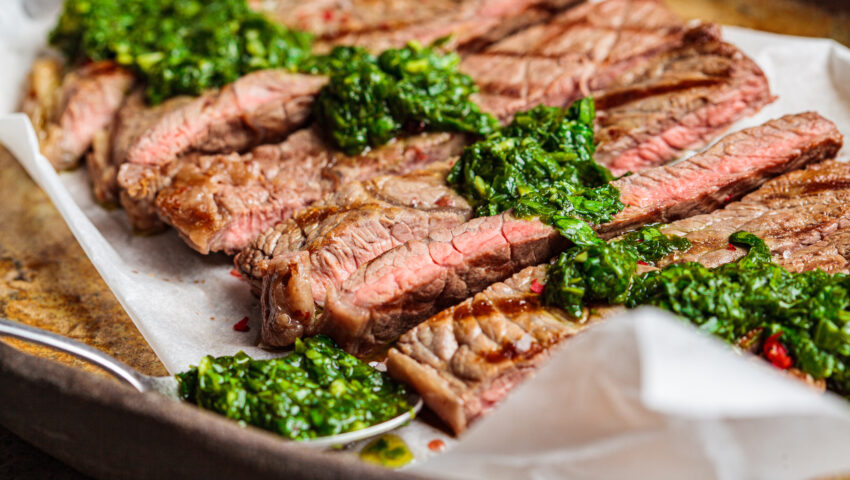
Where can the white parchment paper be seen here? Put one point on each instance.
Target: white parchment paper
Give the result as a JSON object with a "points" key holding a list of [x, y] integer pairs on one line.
{"points": [[641, 396]]}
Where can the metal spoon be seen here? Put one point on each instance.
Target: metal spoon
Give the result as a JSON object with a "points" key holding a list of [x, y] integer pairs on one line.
{"points": [[168, 385]]}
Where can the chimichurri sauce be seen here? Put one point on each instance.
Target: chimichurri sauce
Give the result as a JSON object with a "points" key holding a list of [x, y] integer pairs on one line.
{"points": [[372, 99], [178, 46], [541, 165], [317, 390]]}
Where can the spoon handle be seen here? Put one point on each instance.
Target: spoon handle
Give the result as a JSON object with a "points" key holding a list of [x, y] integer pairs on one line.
{"points": [[75, 348]]}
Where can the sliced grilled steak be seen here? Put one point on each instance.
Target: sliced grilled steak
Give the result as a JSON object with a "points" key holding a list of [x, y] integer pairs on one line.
{"points": [[321, 246], [85, 102], [692, 106], [582, 50], [738, 163], [378, 25], [793, 211], [466, 359], [680, 100], [691, 98], [222, 202], [260, 107], [398, 289]]}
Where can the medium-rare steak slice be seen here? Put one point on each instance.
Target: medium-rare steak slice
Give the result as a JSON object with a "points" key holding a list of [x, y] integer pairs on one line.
{"points": [[378, 25], [351, 215], [798, 209], [678, 101], [466, 359], [580, 51], [400, 288], [738, 163], [85, 102], [222, 202], [321, 246], [260, 107]]}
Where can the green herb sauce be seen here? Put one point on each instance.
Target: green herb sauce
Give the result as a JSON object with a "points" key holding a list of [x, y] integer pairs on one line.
{"points": [[370, 100], [387, 451], [178, 46], [811, 310], [605, 272], [541, 165], [317, 390]]}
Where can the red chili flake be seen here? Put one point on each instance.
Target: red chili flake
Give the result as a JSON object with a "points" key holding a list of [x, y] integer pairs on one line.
{"points": [[436, 445], [730, 247], [328, 14], [242, 325], [641, 262], [777, 353], [536, 286], [235, 273], [728, 198]]}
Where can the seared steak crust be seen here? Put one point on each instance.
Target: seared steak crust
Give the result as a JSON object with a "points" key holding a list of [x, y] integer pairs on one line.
{"points": [[466, 359], [396, 290]]}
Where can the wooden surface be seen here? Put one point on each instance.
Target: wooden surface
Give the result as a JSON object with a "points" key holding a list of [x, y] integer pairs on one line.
{"points": [[47, 281]]}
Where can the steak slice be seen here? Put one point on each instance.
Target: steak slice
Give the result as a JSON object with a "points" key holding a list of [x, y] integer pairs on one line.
{"points": [[260, 107], [342, 217], [222, 202], [678, 101], [405, 285], [298, 260], [67, 116], [579, 51], [379, 25], [799, 209], [738, 163], [466, 359]]}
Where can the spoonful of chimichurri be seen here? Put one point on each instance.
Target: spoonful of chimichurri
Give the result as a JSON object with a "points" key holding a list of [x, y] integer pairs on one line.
{"points": [[317, 391], [318, 394]]}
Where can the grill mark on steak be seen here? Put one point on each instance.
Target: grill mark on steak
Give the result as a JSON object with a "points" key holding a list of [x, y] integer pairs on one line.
{"points": [[555, 63], [404, 285], [84, 102], [381, 25], [448, 358]]}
